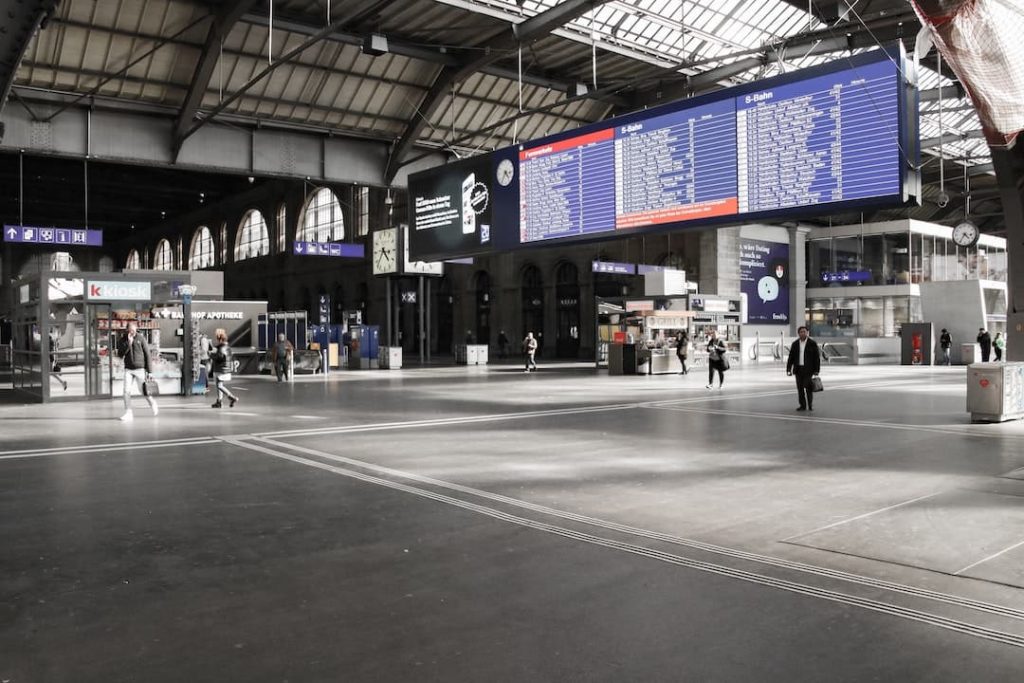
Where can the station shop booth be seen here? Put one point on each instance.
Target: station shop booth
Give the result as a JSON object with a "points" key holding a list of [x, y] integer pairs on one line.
{"points": [[638, 335], [66, 327]]}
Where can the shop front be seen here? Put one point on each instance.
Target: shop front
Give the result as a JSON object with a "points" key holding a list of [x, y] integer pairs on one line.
{"points": [[67, 325]]}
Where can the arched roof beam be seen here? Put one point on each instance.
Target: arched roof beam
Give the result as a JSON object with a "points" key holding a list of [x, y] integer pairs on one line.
{"points": [[20, 22], [524, 32], [222, 24]]}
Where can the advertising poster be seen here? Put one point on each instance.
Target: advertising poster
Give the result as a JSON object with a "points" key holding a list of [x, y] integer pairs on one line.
{"points": [[764, 278], [450, 210]]}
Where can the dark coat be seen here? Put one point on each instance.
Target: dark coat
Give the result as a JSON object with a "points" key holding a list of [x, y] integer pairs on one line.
{"points": [[812, 357], [221, 357], [135, 354]]}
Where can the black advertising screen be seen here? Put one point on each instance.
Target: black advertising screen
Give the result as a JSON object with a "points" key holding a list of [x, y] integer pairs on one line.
{"points": [[832, 138], [450, 209]]}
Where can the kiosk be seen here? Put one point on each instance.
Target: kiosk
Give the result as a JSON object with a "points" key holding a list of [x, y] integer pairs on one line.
{"points": [[66, 326]]}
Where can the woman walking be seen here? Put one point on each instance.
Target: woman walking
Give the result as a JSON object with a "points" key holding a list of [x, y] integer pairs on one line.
{"points": [[220, 356], [716, 359], [682, 348]]}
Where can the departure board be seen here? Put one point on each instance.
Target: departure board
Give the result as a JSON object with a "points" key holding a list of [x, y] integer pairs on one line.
{"points": [[570, 185], [674, 168], [826, 139], [805, 142], [834, 138]]}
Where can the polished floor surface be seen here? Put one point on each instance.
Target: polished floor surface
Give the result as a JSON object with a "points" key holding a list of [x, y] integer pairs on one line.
{"points": [[483, 524]]}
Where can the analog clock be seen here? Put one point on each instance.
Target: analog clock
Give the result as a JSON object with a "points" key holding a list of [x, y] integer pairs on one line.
{"points": [[966, 234], [385, 251], [506, 171]]}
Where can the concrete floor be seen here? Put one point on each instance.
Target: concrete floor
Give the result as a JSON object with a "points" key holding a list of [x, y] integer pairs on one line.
{"points": [[465, 524]]}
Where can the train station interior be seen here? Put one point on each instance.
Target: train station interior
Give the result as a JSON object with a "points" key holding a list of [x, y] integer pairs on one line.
{"points": [[389, 340]]}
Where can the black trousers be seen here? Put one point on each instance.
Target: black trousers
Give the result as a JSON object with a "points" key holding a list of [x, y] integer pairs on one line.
{"points": [[803, 386]]}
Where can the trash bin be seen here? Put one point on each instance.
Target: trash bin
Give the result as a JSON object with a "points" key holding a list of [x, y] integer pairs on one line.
{"points": [[970, 353], [995, 391]]}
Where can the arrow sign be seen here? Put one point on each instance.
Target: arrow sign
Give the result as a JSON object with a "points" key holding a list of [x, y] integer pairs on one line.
{"points": [[79, 237]]}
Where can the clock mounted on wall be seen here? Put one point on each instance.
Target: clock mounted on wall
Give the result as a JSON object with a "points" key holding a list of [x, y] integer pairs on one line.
{"points": [[385, 251]]}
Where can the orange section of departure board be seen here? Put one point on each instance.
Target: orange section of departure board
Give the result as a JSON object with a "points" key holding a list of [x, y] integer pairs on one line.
{"points": [[719, 207]]}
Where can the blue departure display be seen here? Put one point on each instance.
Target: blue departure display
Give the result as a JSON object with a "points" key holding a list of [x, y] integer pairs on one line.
{"points": [[841, 136], [827, 139]]}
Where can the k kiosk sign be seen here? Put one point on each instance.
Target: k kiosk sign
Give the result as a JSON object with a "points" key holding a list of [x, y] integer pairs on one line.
{"points": [[118, 290]]}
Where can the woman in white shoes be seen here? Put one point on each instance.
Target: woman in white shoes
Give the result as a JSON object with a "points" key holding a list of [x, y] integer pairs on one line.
{"points": [[137, 368], [220, 356]]}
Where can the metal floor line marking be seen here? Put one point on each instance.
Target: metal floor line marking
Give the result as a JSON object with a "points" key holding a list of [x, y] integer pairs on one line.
{"points": [[939, 621], [990, 557], [470, 419], [101, 448], [668, 538], [789, 539]]}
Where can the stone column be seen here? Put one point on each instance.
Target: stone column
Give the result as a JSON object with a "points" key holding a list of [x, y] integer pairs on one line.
{"points": [[720, 262], [797, 277]]}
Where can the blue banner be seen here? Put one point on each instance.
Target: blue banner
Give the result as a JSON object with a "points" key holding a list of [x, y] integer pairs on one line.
{"points": [[67, 237]]}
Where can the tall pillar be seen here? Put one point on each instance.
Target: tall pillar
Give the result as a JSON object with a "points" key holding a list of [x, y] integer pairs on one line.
{"points": [[720, 262], [1009, 165], [797, 277]]}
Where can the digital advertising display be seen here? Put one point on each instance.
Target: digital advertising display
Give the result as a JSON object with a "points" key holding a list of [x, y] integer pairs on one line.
{"points": [[836, 137], [450, 209], [764, 278]]}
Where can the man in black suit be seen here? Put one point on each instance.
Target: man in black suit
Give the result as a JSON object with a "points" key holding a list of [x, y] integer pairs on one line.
{"points": [[805, 362]]}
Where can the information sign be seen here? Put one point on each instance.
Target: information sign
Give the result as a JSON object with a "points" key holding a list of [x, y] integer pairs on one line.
{"points": [[342, 249], [69, 237]]}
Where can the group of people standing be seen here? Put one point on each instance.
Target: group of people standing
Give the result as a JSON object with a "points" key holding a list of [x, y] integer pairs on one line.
{"points": [[985, 342], [715, 347]]}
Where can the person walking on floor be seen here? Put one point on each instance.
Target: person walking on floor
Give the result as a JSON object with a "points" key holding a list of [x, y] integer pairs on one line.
{"points": [[999, 343], [682, 348], [281, 356], [945, 343], [804, 362], [716, 359], [221, 358], [137, 369], [502, 344], [985, 342], [530, 349]]}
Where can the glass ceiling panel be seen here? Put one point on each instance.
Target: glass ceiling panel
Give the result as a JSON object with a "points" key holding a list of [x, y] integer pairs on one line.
{"points": [[667, 32]]}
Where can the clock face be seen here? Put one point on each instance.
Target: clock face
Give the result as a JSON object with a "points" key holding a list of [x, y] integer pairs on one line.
{"points": [[385, 251], [966, 234], [506, 171]]}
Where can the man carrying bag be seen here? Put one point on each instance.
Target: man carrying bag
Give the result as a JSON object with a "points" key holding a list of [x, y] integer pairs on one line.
{"points": [[805, 362]]}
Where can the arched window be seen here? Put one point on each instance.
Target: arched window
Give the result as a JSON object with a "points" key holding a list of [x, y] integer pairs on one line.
{"points": [[134, 261], [163, 257], [282, 222], [322, 220], [202, 252], [252, 240], [567, 292]]}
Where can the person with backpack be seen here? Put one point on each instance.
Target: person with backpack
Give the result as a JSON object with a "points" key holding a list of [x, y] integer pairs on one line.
{"points": [[281, 356], [220, 358]]}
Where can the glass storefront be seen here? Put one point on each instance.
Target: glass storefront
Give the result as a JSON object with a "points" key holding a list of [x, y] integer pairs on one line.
{"points": [[899, 258]]}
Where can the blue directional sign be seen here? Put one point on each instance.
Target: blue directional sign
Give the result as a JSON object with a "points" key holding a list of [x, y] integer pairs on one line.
{"points": [[847, 276], [70, 237], [329, 249], [613, 267]]}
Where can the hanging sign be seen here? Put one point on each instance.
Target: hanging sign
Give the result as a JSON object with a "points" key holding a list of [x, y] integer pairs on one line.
{"points": [[69, 237]]}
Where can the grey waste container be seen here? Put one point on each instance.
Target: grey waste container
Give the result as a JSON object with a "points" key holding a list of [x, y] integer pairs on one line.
{"points": [[970, 353], [995, 391]]}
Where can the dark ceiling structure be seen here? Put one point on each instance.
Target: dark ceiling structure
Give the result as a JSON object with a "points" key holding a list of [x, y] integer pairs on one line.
{"points": [[460, 76]]}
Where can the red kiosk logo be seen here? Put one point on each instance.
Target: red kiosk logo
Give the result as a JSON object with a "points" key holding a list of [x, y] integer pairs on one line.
{"points": [[94, 290]]}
